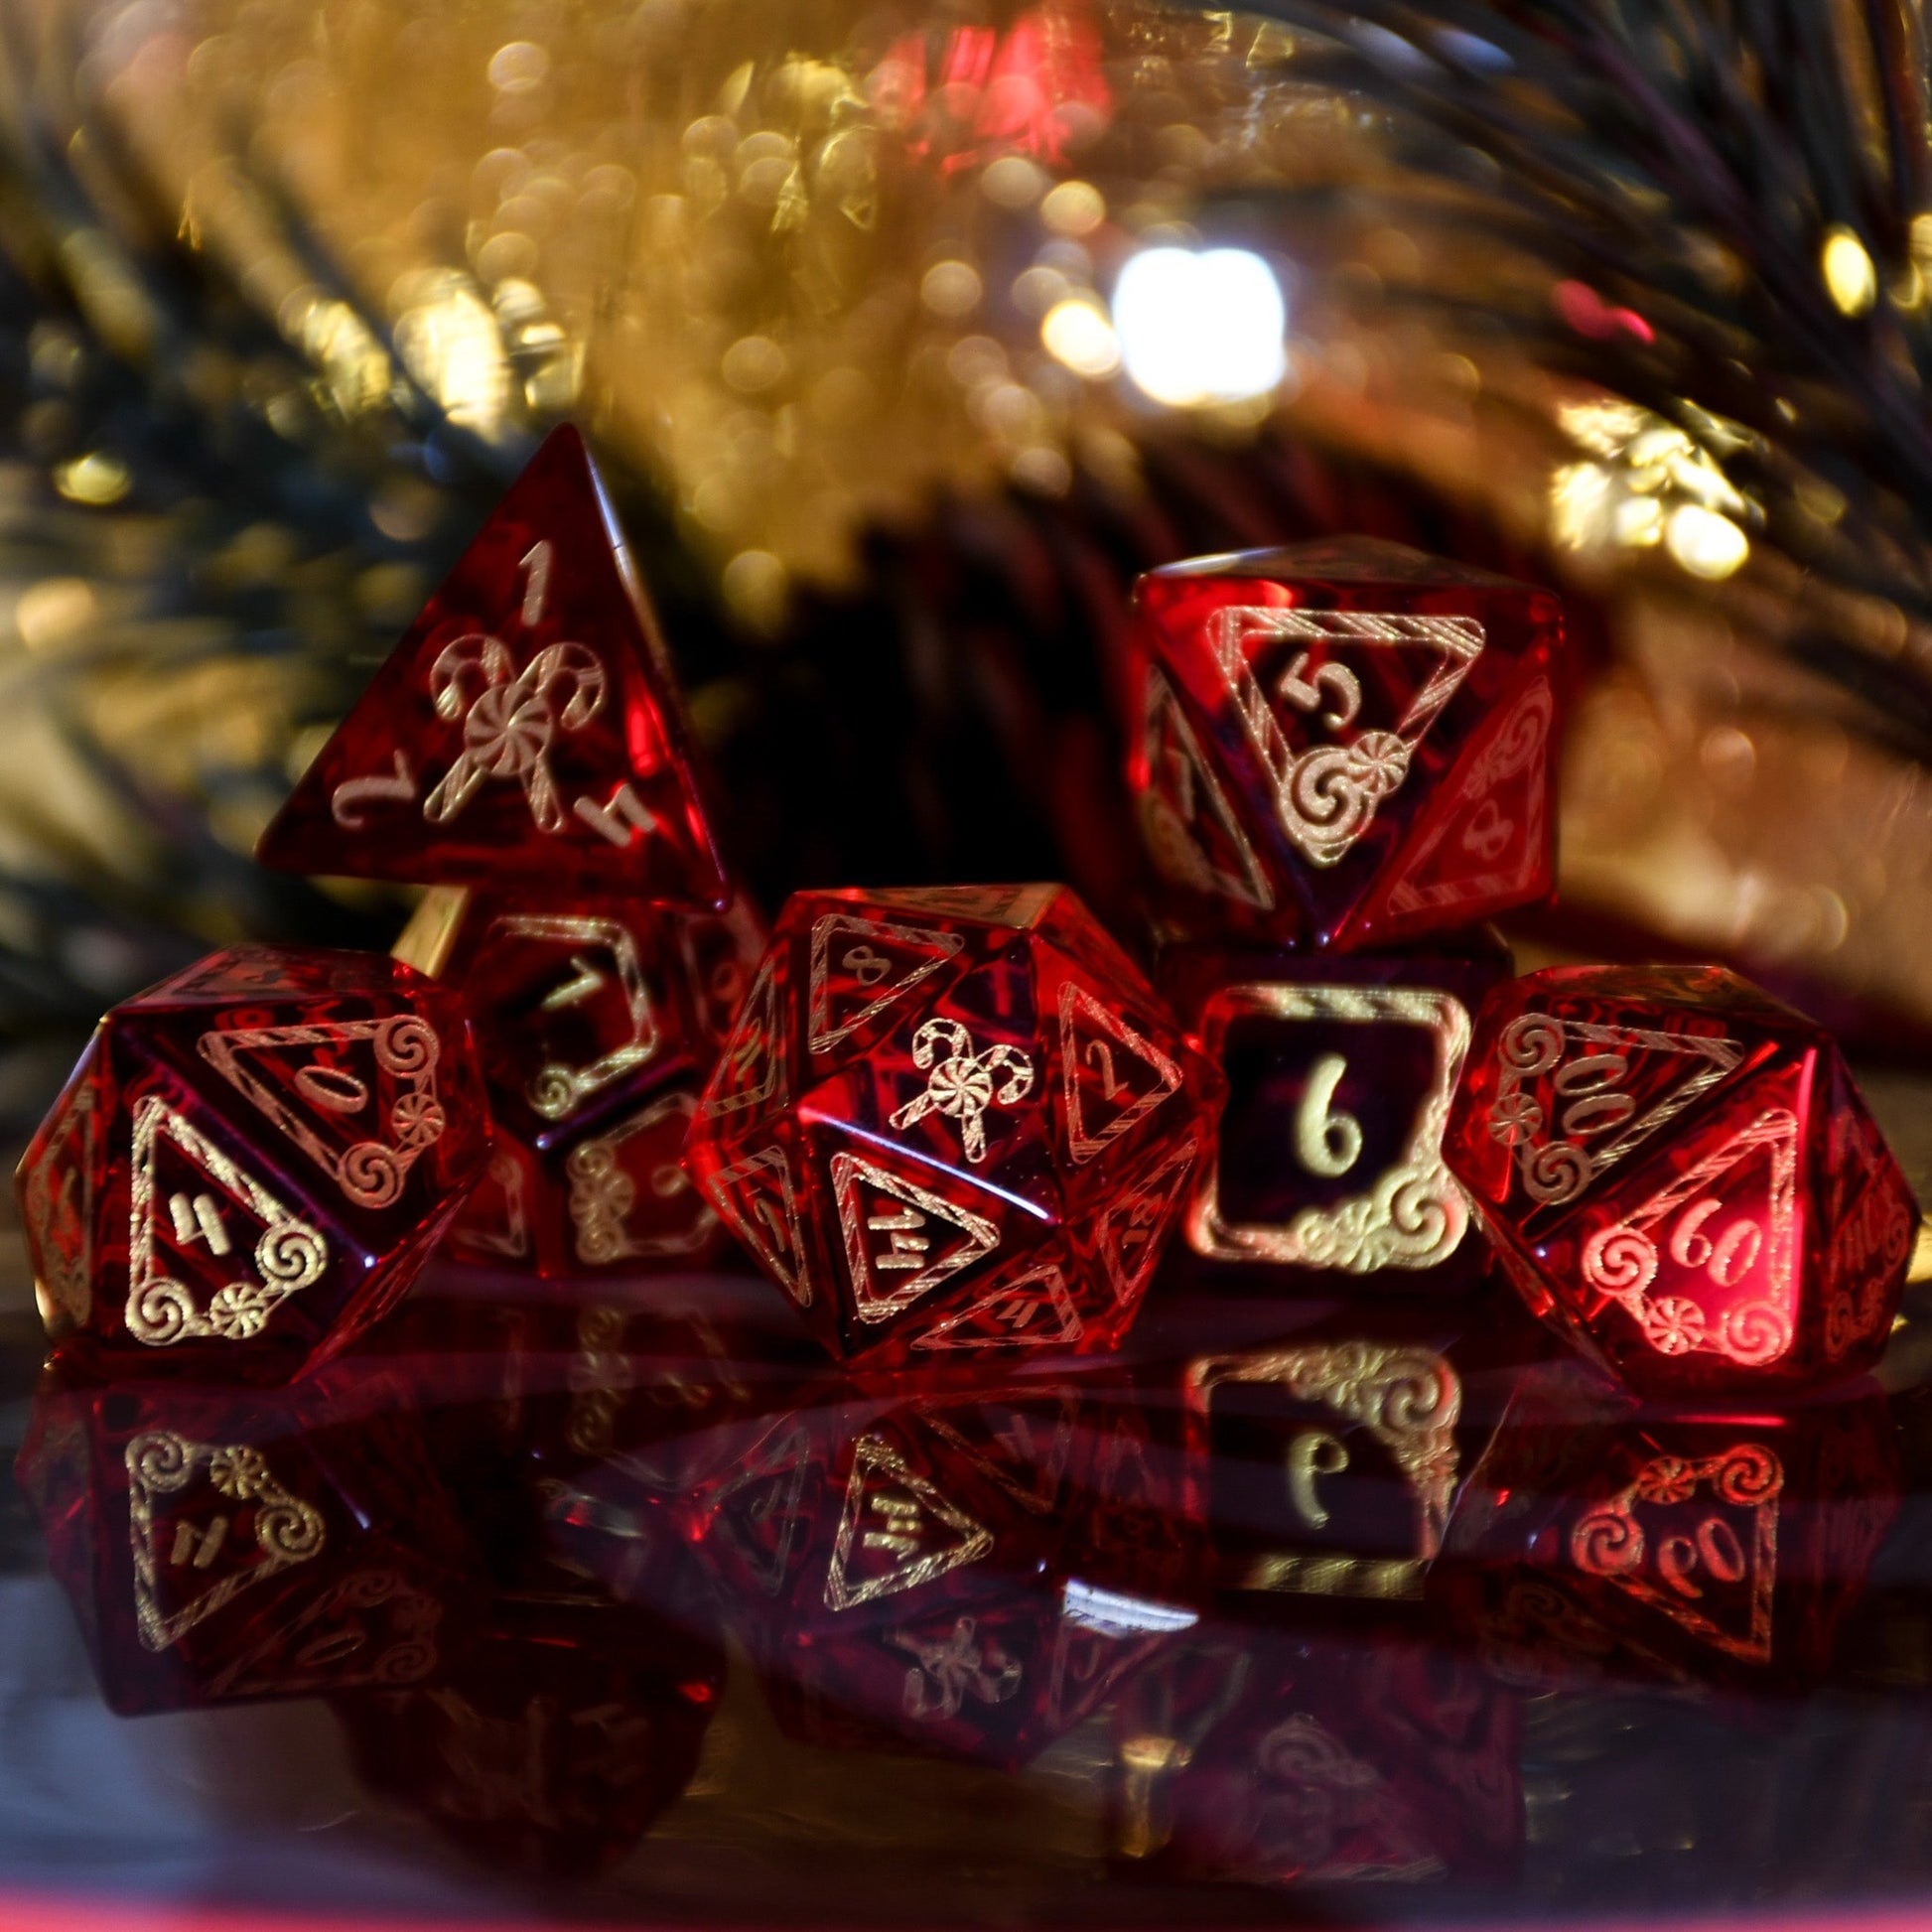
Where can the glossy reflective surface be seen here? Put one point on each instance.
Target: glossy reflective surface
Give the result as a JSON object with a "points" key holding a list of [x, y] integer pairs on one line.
{"points": [[615, 1590]]}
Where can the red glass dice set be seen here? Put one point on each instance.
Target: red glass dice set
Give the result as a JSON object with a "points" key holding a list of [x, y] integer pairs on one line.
{"points": [[960, 1129]]}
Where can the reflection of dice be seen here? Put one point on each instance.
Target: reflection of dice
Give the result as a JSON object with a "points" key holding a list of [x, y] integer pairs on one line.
{"points": [[596, 1024], [1688, 1545], [1679, 1173], [1324, 1465], [551, 1741], [907, 1569], [951, 1119], [1280, 1762], [227, 1545], [251, 1161], [1326, 1153], [524, 728], [1345, 744]]}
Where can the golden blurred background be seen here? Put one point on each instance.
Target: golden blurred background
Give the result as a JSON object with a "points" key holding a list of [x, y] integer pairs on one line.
{"points": [[910, 332]]}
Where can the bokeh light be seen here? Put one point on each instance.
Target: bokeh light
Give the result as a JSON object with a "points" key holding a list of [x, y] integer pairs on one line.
{"points": [[1200, 328]]}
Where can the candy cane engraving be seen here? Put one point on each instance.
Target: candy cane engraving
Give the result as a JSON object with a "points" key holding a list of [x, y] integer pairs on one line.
{"points": [[510, 719], [964, 1084]]}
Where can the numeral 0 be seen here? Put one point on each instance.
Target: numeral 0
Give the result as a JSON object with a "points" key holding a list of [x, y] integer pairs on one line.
{"points": [[1592, 1086]]}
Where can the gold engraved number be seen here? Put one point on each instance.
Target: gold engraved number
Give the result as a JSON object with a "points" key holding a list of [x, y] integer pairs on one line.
{"points": [[536, 562], [198, 1549], [908, 1244], [1716, 1545], [331, 1090], [774, 1224], [901, 1532], [585, 982], [1100, 1057], [198, 1219], [1314, 1453], [625, 814], [1592, 1086], [1487, 832], [1327, 1142], [1337, 681], [1727, 1259], [354, 793], [866, 966]]}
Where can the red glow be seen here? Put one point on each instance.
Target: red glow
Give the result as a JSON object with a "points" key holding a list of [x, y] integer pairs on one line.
{"points": [[1584, 311]]}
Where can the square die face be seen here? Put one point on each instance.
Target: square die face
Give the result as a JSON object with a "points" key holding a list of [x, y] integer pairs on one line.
{"points": [[1339, 1075], [1355, 1084], [574, 1011], [1325, 1468]]}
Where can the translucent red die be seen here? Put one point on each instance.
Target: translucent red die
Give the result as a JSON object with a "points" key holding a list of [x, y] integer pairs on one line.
{"points": [[526, 727], [223, 1544], [951, 1119], [1343, 743], [251, 1161], [1679, 1173], [1326, 1153], [596, 1022]]}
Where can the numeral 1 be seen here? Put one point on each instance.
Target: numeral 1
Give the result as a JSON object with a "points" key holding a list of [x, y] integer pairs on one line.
{"points": [[537, 585]]}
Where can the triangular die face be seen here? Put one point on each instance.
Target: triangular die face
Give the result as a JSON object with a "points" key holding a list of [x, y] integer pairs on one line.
{"points": [[760, 1512], [206, 1523], [897, 1530], [1333, 704], [1032, 1309], [212, 1253], [523, 728], [1132, 1229], [1112, 1077], [1485, 839], [1193, 835], [1709, 1264], [1574, 1097], [861, 968], [904, 1237], [750, 1070], [358, 1097], [1709, 1521], [757, 1198]]}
